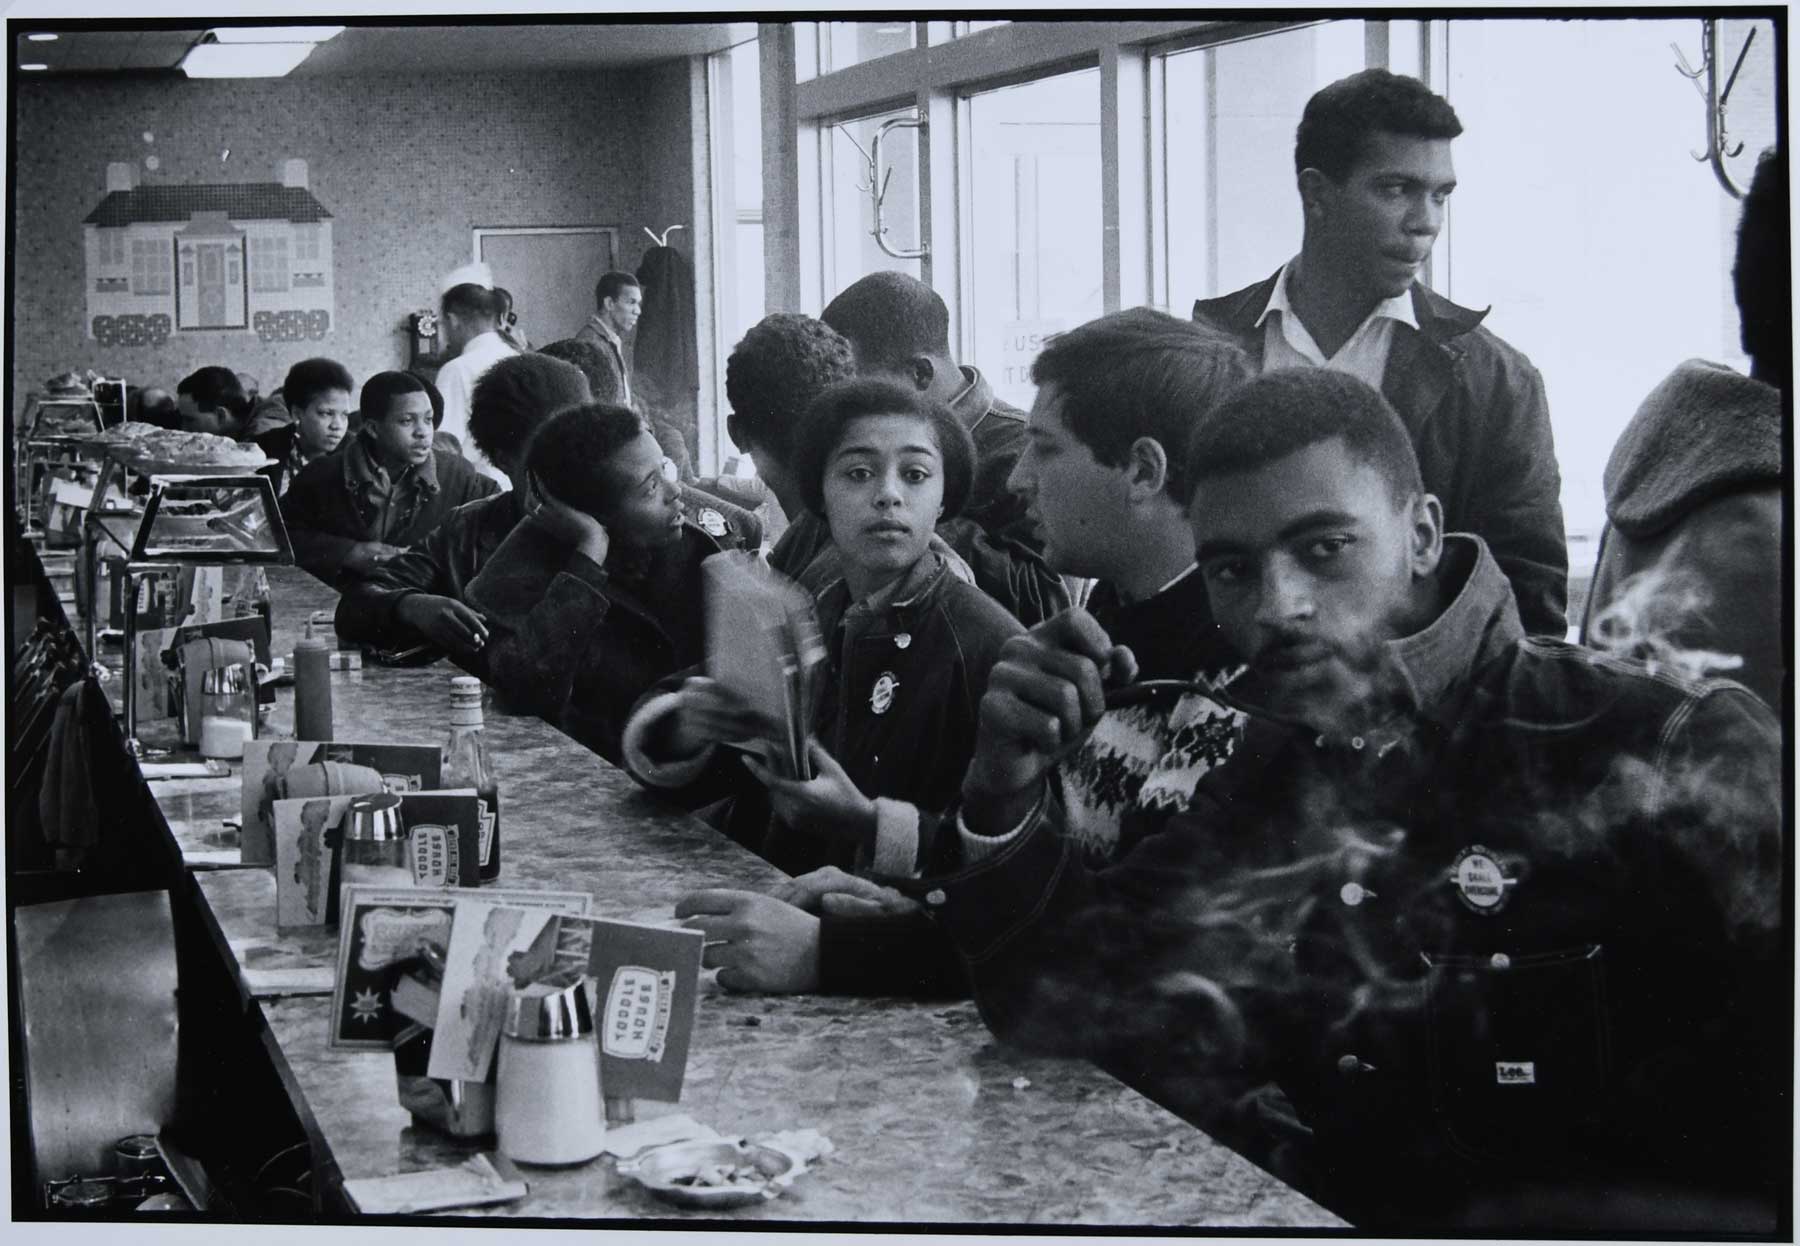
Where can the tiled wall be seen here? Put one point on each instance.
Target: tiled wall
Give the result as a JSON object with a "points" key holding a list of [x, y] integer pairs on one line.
{"points": [[407, 165]]}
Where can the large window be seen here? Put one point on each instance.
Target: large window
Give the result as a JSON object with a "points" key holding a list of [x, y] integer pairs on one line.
{"points": [[1607, 263], [1069, 167], [1229, 114], [1035, 241]]}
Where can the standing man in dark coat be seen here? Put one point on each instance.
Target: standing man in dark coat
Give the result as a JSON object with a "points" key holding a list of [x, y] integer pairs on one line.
{"points": [[618, 302], [900, 331], [1372, 157]]}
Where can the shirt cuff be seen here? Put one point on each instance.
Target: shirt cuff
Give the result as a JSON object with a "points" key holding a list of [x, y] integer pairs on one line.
{"points": [[896, 838], [978, 848], [666, 773]]}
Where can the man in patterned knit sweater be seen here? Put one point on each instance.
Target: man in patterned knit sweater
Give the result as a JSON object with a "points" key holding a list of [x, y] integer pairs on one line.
{"points": [[1104, 471]]}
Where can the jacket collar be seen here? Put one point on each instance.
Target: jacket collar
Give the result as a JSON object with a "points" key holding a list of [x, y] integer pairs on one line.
{"points": [[605, 331], [1429, 672], [974, 401], [1481, 620], [630, 591], [1400, 308], [905, 599], [363, 470], [1439, 319]]}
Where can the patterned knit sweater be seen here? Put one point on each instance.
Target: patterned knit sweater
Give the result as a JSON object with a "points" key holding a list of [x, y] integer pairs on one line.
{"points": [[1146, 759]]}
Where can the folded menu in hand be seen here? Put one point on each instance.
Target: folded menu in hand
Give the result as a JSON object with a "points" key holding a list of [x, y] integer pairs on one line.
{"points": [[763, 643]]}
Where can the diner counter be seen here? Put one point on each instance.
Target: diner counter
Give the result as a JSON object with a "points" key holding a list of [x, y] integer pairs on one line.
{"points": [[932, 1119]]}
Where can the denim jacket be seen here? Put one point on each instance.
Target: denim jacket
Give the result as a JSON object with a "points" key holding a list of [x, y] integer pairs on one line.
{"points": [[1531, 931]]}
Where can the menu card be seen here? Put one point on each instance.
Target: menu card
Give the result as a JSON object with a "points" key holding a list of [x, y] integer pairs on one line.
{"points": [[647, 979], [441, 831], [403, 767], [387, 930], [644, 988]]}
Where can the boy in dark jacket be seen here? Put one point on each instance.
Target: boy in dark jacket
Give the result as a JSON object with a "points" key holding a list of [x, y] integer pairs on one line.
{"points": [[349, 512], [419, 593], [595, 595], [1501, 916]]}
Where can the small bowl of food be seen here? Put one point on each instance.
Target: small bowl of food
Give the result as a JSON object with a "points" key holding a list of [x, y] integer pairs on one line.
{"points": [[712, 1174]]}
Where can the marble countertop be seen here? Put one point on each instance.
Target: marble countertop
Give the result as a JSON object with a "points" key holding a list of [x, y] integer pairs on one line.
{"points": [[932, 1120]]}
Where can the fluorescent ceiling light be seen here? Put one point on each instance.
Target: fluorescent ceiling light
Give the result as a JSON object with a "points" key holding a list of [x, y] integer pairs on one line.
{"points": [[34, 65], [42, 38], [275, 34], [243, 60]]}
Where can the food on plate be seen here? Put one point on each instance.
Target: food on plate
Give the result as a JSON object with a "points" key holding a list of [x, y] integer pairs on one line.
{"points": [[719, 1176], [130, 431], [175, 448]]}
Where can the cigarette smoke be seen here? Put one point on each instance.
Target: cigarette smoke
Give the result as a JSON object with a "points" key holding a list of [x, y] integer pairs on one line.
{"points": [[1656, 617]]}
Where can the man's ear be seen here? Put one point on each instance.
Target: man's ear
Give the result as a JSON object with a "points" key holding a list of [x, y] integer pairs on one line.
{"points": [[1147, 467], [1316, 191], [1426, 537], [921, 371]]}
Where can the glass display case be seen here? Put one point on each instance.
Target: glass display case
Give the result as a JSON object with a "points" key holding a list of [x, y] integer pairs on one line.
{"points": [[147, 515], [54, 444]]}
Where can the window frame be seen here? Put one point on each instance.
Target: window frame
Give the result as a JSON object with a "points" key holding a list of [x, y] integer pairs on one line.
{"points": [[152, 267], [937, 77], [262, 263]]}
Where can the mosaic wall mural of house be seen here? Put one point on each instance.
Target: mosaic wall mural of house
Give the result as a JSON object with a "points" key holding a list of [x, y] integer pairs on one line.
{"points": [[251, 257]]}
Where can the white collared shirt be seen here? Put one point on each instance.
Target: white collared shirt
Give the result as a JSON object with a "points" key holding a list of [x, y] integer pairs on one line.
{"points": [[1287, 344], [456, 382]]}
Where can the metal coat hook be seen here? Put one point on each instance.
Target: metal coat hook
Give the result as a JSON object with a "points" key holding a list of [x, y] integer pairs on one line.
{"points": [[874, 181], [664, 240], [1719, 146]]}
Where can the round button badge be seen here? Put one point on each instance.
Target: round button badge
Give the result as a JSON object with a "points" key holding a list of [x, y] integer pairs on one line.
{"points": [[1480, 880]]}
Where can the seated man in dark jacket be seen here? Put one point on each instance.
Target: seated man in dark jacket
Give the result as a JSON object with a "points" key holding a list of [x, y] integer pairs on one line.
{"points": [[596, 594], [1501, 916], [351, 511], [417, 595]]}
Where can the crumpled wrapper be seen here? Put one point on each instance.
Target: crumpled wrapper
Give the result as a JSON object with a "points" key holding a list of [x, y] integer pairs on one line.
{"points": [[803, 1145]]}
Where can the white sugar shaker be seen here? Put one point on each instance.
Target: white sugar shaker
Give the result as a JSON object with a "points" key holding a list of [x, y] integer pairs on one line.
{"points": [[547, 1103]]}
